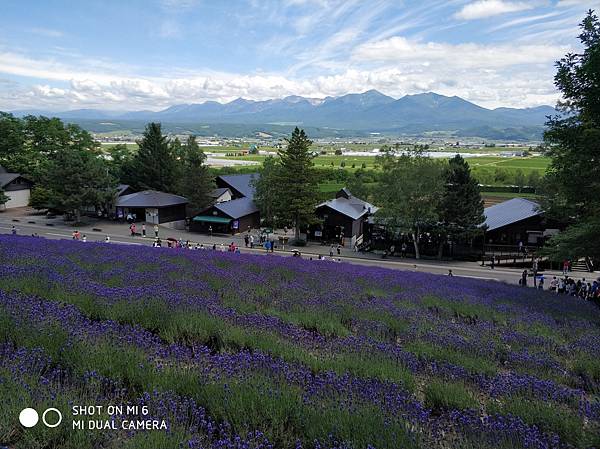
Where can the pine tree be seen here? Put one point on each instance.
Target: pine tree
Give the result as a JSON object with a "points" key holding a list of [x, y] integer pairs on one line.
{"points": [[461, 208], [195, 182], [153, 167], [296, 187], [266, 195]]}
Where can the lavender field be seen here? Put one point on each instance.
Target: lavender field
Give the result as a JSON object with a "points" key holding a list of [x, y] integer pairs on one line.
{"points": [[242, 351]]}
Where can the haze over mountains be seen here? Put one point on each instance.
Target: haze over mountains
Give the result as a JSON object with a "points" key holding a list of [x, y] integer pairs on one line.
{"points": [[370, 111]]}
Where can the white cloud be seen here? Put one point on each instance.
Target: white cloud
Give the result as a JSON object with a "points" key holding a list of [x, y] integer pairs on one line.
{"points": [[401, 50], [46, 32], [487, 8]]}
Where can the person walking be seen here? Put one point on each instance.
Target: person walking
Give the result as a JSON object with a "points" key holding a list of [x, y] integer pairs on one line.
{"points": [[403, 250], [246, 240], [450, 273], [210, 230], [251, 241], [84, 238], [493, 264], [565, 266], [13, 230], [339, 249], [156, 231], [143, 229], [524, 278], [331, 251], [107, 239]]}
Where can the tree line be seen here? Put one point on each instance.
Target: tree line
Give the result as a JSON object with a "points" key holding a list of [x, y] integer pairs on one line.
{"points": [[71, 172]]}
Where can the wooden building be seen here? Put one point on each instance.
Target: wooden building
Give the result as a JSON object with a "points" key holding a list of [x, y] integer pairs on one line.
{"points": [[228, 217], [343, 219], [153, 207]]}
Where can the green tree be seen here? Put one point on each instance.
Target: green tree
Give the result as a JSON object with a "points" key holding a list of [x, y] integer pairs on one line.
{"points": [[195, 181], [118, 157], [3, 197], [12, 142], [571, 185], [519, 179], [410, 190], [266, 195], [296, 186], [76, 179], [154, 167], [461, 208], [358, 184]]}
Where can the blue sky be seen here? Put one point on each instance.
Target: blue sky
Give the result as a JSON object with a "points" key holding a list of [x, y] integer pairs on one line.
{"points": [[150, 54]]}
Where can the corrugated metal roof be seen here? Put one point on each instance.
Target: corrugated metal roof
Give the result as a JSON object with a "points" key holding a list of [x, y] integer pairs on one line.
{"points": [[237, 208], [7, 178], [241, 183], [150, 198], [351, 207], [216, 193], [509, 212]]}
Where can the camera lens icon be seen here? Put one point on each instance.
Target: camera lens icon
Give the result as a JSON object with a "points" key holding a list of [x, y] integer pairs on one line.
{"points": [[52, 417]]}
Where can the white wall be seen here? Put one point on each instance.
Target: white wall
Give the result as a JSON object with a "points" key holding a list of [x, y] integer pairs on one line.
{"points": [[18, 198]]}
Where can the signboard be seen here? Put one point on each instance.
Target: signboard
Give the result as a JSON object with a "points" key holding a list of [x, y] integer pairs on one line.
{"points": [[235, 224], [318, 233]]}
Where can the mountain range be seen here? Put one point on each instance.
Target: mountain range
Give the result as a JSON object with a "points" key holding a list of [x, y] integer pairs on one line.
{"points": [[370, 111]]}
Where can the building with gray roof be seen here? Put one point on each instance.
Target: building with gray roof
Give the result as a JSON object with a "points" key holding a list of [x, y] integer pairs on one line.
{"points": [[517, 220], [343, 217], [152, 206], [228, 217]]}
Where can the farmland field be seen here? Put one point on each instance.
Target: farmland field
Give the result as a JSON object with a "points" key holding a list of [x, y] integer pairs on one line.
{"points": [[248, 351]]}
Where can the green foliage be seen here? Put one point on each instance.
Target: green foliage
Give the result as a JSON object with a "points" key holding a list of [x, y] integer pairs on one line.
{"points": [[195, 182], [443, 395], [410, 191], [548, 417], [295, 190], [265, 196], [154, 166], [3, 197], [75, 179], [572, 191], [461, 207]]}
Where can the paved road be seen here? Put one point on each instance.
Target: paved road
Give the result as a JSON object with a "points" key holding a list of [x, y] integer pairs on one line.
{"points": [[118, 233]]}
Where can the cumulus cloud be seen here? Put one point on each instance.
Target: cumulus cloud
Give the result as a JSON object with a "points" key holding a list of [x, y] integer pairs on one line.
{"points": [[487, 8]]}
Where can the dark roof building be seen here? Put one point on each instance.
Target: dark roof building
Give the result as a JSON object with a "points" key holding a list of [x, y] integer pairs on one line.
{"points": [[517, 220], [228, 217], [17, 188], [345, 215], [152, 206], [240, 185]]}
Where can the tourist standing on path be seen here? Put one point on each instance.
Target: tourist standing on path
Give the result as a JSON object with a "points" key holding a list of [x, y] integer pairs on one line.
{"points": [[246, 240], [143, 230], [84, 238], [331, 251], [524, 278], [403, 249], [339, 249], [210, 230], [493, 264], [251, 241], [107, 239], [14, 230], [156, 231]]}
